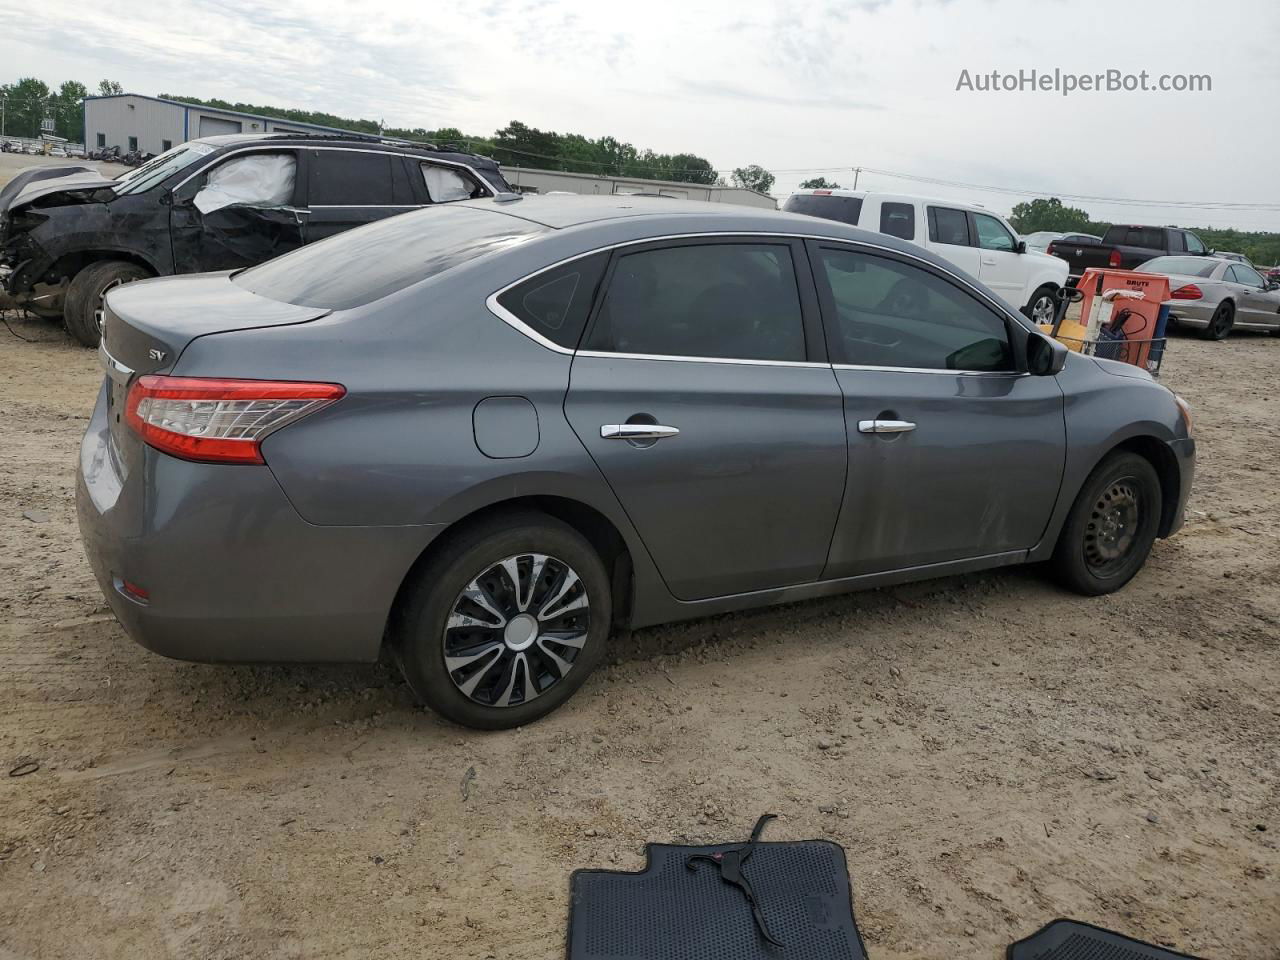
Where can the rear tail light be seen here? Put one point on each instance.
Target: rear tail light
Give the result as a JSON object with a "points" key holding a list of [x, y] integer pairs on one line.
{"points": [[1113, 261], [1189, 292], [219, 421], [822, 193], [1050, 249]]}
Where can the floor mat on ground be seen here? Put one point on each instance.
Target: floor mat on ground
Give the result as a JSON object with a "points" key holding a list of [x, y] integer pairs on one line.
{"points": [[734, 901], [1073, 940]]}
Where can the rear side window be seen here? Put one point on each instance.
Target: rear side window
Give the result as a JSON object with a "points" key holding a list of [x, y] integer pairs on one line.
{"points": [[892, 314], [446, 184], [340, 178], [359, 266], [1176, 242], [1150, 237], [729, 300], [948, 226], [898, 220], [555, 304], [844, 209]]}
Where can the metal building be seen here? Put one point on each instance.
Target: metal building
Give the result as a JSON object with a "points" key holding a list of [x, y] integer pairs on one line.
{"points": [[131, 121], [527, 180]]}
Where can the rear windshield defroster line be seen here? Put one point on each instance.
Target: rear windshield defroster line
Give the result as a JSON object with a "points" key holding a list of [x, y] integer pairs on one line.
{"points": [[374, 261]]}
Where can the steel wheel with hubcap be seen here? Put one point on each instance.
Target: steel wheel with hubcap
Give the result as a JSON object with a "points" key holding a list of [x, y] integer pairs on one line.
{"points": [[1111, 527], [504, 621]]}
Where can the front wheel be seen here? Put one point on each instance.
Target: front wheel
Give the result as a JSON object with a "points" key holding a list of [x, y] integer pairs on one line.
{"points": [[505, 622], [1041, 307], [1221, 322], [87, 292], [1111, 527]]}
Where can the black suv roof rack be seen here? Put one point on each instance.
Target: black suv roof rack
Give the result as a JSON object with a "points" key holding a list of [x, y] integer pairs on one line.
{"points": [[359, 137]]}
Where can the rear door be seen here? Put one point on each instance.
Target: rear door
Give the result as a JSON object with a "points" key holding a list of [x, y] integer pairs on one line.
{"points": [[350, 187], [1002, 265], [700, 390], [239, 211], [951, 237], [954, 452]]}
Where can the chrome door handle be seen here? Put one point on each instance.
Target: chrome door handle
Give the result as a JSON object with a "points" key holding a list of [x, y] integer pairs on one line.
{"points": [[637, 431], [885, 426]]}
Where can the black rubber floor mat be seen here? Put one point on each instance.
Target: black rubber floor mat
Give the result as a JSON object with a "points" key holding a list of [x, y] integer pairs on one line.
{"points": [[1073, 940], [677, 909]]}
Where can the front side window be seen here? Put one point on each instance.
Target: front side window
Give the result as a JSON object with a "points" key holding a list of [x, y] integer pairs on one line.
{"points": [[349, 178], [992, 234], [891, 314], [251, 180], [1247, 275], [1193, 244], [555, 304], [725, 300], [948, 226], [898, 220]]}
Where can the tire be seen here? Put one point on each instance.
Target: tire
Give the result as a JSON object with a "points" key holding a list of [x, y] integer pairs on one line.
{"points": [[1111, 527], [84, 296], [493, 662], [1041, 302], [1221, 322]]}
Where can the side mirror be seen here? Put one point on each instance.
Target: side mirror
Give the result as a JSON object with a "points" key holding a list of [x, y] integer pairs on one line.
{"points": [[1021, 247], [1045, 356]]}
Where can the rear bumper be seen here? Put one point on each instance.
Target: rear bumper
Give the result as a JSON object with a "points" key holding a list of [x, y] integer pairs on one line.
{"points": [[1184, 453], [1191, 313], [232, 571]]}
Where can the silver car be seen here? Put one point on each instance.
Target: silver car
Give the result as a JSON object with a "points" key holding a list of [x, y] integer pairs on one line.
{"points": [[1217, 295], [487, 434]]}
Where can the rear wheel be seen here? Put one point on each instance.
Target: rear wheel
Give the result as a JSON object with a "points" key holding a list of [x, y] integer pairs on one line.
{"points": [[1221, 322], [1111, 527], [83, 313], [505, 622]]}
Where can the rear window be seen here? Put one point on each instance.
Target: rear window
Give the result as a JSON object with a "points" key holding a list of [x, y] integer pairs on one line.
{"points": [[374, 261], [1185, 266], [845, 209]]}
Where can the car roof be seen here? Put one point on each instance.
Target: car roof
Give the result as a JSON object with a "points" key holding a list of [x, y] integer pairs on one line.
{"points": [[354, 141], [895, 198]]}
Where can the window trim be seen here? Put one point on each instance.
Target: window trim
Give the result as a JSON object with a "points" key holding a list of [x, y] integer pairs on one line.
{"points": [[884, 204], [1011, 321], [1003, 314], [931, 224]]}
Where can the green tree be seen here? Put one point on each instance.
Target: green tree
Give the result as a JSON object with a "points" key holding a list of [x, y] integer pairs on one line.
{"points": [[26, 103], [110, 88], [819, 183], [753, 177], [1050, 214], [68, 111]]}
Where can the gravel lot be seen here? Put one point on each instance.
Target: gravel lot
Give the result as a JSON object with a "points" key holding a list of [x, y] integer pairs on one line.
{"points": [[991, 752]]}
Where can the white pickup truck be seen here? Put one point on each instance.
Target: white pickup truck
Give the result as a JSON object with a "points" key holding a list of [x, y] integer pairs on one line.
{"points": [[979, 242]]}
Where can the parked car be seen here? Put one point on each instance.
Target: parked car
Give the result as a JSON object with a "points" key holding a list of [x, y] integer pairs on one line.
{"points": [[1123, 247], [1070, 238], [1217, 295], [1039, 241], [487, 433], [211, 204], [1237, 257], [976, 240]]}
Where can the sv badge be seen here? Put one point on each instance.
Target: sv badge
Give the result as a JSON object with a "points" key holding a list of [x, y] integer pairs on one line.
{"points": [[156, 355]]}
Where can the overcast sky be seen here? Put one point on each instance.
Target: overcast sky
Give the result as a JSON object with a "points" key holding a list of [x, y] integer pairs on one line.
{"points": [[789, 85]]}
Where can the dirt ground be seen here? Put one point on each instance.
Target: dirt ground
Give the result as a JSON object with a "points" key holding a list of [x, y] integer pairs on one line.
{"points": [[991, 752]]}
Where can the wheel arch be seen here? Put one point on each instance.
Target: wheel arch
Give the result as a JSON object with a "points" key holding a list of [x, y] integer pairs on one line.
{"points": [[598, 530], [1156, 452], [72, 262]]}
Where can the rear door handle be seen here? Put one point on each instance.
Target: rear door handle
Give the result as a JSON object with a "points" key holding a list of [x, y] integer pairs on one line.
{"points": [[637, 431], [989, 262], [885, 426]]}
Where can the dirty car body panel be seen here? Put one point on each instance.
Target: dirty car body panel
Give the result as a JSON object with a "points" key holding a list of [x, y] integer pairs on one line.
{"points": [[769, 492]]}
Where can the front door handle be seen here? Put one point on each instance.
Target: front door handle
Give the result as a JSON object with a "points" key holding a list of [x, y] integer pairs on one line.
{"points": [[989, 261], [637, 431], [885, 426]]}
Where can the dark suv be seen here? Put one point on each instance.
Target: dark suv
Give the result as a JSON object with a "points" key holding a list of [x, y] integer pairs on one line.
{"points": [[67, 235]]}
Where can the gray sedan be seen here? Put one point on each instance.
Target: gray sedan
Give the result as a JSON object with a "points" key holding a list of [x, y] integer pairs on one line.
{"points": [[1217, 295], [487, 435]]}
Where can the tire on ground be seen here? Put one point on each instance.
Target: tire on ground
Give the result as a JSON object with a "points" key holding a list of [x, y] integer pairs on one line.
{"points": [[1219, 325], [1043, 291], [417, 630], [84, 295], [1069, 563]]}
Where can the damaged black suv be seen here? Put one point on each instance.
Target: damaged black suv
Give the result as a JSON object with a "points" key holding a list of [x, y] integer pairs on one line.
{"points": [[67, 234]]}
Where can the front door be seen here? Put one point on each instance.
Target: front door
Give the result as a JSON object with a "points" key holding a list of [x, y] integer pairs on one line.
{"points": [[1255, 303], [700, 392], [954, 453], [351, 187], [1002, 266], [240, 212]]}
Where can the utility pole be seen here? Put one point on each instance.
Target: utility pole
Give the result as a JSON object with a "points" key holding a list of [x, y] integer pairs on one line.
{"points": [[856, 171], [3, 102]]}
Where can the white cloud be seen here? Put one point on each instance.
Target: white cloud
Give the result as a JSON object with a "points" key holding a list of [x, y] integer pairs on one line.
{"points": [[789, 85]]}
